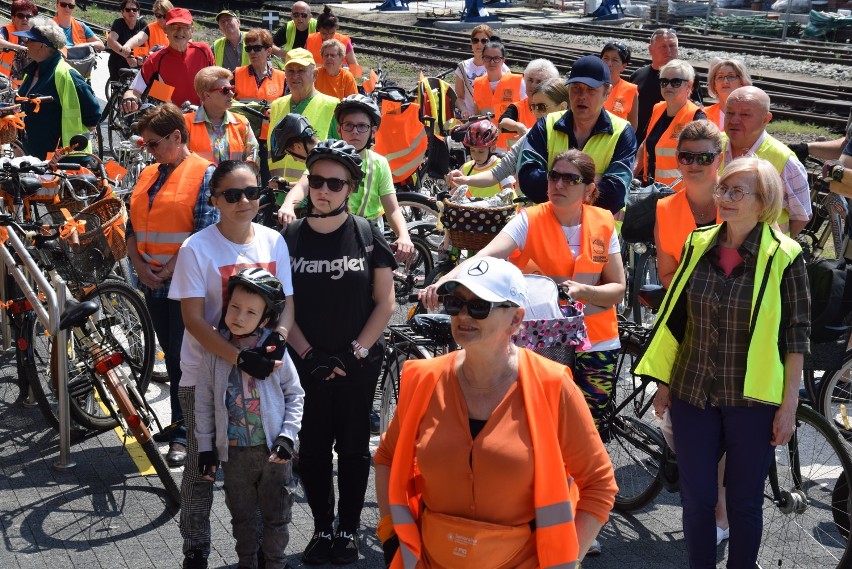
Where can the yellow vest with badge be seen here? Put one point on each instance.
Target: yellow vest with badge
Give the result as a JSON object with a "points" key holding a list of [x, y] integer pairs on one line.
{"points": [[600, 147]]}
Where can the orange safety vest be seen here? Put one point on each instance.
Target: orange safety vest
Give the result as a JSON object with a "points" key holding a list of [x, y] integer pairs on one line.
{"points": [[314, 44], [156, 36], [666, 168], [508, 91], [555, 494], [675, 222], [401, 139], [199, 138], [6, 58], [525, 117], [714, 115], [161, 228], [78, 34], [247, 89], [547, 252], [621, 97]]}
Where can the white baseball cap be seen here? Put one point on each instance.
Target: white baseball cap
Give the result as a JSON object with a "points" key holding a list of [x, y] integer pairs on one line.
{"points": [[491, 279]]}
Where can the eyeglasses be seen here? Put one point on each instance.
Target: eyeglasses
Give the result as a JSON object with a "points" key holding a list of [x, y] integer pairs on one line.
{"points": [[539, 107], [700, 158], [483, 41], [359, 128], [227, 90], [727, 78], [676, 83], [477, 308], [255, 48], [152, 144], [159, 16], [333, 184], [492, 58], [234, 195], [67, 5], [131, 9], [568, 179], [299, 14], [735, 194], [24, 16]]}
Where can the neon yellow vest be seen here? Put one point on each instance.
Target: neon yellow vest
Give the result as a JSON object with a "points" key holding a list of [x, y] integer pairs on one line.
{"points": [[600, 147], [469, 168], [72, 117], [367, 202], [219, 51], [290, 33], [319, 112], [764, 379]]}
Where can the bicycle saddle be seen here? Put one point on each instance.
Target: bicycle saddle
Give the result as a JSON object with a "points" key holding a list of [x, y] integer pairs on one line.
{"points": [[436, 327], [75, 313], [652, 296]]}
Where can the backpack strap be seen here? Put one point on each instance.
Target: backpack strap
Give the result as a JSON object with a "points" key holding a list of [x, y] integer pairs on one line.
{"points": [[364, 234], [291, 235]]}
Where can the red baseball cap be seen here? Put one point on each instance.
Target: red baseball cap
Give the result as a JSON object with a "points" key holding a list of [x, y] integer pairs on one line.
{"points": [[179, 16]]}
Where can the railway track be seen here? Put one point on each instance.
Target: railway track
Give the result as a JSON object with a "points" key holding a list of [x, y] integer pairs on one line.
{"points": [[797, 100]]}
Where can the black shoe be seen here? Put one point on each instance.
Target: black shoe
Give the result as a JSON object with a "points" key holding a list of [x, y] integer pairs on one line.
{"points": [[318, 550], [176, 456], [345, 548], [375, 424], [194, 559]]}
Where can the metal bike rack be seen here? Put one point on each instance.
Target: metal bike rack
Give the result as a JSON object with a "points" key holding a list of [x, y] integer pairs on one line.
{"points": [[55, 300]]}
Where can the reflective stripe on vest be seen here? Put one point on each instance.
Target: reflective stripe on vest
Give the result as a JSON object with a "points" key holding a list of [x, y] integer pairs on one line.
{"points": [[546, 251], [72, 117], [507, 91], [319, 112], [621, 97], [162, 228], [290, 33], [435, 103], [314, 44], [764, 378], [368, 166], [555, 495], [665, 168], [401, 139], [7, 57], [219, 51], [199, 137], [675, 222], [600, 147]]}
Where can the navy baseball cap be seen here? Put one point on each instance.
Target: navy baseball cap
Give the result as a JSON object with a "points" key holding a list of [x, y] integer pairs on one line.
{"points": [[589, 70], [33, 34]]}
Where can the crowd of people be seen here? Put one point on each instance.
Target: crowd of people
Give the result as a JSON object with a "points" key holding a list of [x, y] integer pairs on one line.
{"points": [[274, 342]]}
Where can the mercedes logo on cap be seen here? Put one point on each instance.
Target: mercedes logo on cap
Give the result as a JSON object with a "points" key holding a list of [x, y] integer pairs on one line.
{"points": [[478, 269]]}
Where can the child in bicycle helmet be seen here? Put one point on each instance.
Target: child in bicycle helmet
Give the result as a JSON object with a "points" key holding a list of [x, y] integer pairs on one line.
{"points": [[480, 140]]}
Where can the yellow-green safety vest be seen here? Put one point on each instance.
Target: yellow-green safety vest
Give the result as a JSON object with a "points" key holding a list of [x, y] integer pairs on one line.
{"points": [[219, 51], [600, 147], [290, 33], [72, 117], [319, 112], [764, 379]]}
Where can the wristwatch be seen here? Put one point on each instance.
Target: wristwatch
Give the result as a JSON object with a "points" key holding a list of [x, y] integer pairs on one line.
{"points": [[360, 351], [837, 173]]}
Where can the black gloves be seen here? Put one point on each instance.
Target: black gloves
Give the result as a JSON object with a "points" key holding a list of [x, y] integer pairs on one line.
{"points": [[347, 360], [801, 151], [208, 463], [389, 549], [283, 447], [255, 364], [321, 364], [278, 342]]}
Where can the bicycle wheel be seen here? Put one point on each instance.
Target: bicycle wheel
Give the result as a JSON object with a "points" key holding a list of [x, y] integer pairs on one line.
{"points": [[625, 307], [409, 277], [835, 397], [163, 471], [636, 450], [806, 506], [390, 387], [417, 207], [630, 386], [644, 274]]}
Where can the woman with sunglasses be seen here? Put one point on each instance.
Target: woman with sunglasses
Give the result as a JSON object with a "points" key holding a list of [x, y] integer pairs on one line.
{"points": [[728, 361], [154, 34], [215, 133], [623, 100], [23, 12], [519, 116], [207, 259], [724, 76], [655, 159], [485, 440], [124, 28], [469, 69], [343, 285], [494, 91]]}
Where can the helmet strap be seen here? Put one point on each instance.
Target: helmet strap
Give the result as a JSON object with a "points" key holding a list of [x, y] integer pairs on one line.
{"points": [[338, 211]]}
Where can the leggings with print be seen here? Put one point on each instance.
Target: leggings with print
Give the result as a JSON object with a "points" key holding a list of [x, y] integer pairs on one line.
{"points": [[594, 374]]}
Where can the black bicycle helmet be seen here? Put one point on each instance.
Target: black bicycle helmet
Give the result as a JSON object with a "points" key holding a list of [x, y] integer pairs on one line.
{"points": [[342, 153], [292, 128], [266, 285], [360, 103]]}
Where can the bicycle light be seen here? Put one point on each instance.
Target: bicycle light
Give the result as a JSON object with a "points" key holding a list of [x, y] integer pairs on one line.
{"points": [[110, 362]]}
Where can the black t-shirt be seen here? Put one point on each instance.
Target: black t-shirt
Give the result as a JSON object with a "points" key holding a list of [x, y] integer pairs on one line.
{"points": [[332, 283], [654, 137], [648, 80], [120, 27], [280, 37]]}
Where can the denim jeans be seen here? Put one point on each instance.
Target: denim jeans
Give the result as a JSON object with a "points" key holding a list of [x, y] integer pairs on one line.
{"points": [[168, 325]]}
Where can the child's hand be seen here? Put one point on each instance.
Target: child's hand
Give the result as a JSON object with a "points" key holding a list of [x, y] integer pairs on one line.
{"points": [[282, 450], [208, 464], [275, 345], [255, 362]]}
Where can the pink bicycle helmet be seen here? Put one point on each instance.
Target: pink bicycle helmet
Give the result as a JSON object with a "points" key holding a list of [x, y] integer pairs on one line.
{"points": [[481, 134]]}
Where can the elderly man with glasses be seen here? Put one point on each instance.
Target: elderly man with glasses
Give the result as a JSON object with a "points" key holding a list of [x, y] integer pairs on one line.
{"points": [[228, 50], [74, 109], [76, 33], [295, 33]]}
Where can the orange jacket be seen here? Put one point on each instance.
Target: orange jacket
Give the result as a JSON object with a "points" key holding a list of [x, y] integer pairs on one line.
{"points": [[508, 91], [621, 97], [675, 222], [6, 58], [314, 44], [555, 494], [199, 138], [247, 89], [547, 252], [162, 228], [666, 168]]}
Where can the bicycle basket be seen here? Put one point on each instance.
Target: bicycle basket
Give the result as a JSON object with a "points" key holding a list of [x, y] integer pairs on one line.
{"points": [[10, 120], [113, 216], [472, 227], [552, 327], [83, 256], [83, 59]]}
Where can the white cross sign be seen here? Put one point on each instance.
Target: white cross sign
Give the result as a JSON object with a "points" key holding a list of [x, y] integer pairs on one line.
{"points": [[271, 18]]}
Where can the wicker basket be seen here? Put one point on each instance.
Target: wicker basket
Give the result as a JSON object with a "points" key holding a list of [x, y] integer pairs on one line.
{"points": [[8, 132], [473, 228], [81, 258], [113, 216]]}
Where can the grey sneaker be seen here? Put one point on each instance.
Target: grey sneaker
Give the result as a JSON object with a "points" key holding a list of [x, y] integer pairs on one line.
{"points": [[594, 549]]}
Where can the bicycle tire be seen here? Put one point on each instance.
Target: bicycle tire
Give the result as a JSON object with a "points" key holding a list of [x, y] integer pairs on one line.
{"points": [[390, 388], [636, 450], [835, 397], [163, 471], [625, 307], [409, 277], [807, 512], [628, 384], [645, 273], [417, 207]]}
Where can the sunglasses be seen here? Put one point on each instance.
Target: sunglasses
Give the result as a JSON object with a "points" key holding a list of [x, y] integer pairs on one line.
{"points": [[67, 5], [568, 179], [24, 16], [333, 184], [299, 14], [131, 9], [700, 158], [359, 128], [234, 195], [483, 41], [477, 308], [226, 90], [734, 194], [255, 48], [152, 144], [492, 58], [676, 83], [539, 107], [159, 16]]}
